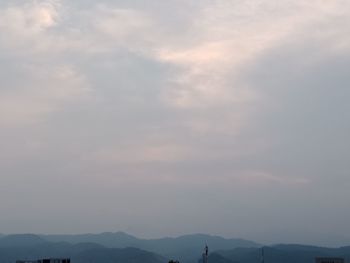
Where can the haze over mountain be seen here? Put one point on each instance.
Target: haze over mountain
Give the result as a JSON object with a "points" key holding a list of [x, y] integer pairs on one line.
{"points": [[30, 246], [184, 248], [284, 253], [21, 240], [81, 253], [112, 247]]}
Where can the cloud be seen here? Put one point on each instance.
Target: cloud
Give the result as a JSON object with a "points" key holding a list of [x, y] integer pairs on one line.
{"points": [[230, 35], [39, 91], [233, 104], [260, 177], [197, 84], [26, 25], [33, 17]]}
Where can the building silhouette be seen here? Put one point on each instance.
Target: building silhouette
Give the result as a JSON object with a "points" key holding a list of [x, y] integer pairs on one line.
{"points": [[47, 260], [329, 260]]}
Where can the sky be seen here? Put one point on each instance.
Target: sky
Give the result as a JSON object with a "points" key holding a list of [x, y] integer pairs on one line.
{"points": [[163, 118]]}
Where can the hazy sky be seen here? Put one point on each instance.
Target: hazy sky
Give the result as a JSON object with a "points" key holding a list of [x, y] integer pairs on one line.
{"points": [[166, 117]]}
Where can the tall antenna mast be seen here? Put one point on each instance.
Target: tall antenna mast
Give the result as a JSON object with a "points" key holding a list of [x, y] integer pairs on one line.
{"points": [[205, 254]]}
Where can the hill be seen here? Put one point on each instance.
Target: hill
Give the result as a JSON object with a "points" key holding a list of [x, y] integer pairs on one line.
{"points": [[85, 249], [23, 240], [117, 255], [26, 247], [186, 248], [284, 253]]}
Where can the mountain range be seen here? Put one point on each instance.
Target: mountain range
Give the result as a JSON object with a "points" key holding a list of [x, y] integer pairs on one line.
{"points": [[283, 253], [123, 248], [184, 248]]}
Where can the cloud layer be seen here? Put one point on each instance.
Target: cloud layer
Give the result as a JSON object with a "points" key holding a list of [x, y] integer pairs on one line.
{"points": [[231, 116]]}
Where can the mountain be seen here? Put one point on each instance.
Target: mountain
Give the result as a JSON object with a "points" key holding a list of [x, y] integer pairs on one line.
{"points": [[23, 240], [117, 255], [284, 253], [29, 248], [188, 248], [112, 240], [184, 248]]}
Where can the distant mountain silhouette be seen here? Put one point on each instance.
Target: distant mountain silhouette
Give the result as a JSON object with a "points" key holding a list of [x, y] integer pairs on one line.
{"points": [[284, 253], [85, 249], [184, 248], [117, 255], [29, 248], [112, 240], [23, 240]]}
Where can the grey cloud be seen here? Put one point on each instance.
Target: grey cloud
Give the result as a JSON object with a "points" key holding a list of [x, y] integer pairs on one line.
{"points": [[113, 141], [305, 112]]}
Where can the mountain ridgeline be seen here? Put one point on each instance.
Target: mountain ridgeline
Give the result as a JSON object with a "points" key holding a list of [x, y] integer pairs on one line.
{"points": [[185, 248], [123, 248]]}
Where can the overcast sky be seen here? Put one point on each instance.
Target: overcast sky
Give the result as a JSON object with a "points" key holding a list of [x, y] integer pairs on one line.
{"points": [[168, 117]]}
